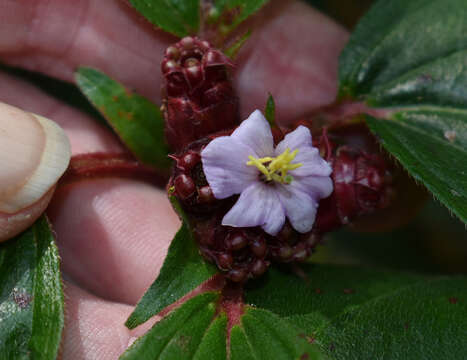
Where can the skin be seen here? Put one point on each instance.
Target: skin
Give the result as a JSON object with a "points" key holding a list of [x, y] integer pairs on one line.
{"points": [[113, 234]]}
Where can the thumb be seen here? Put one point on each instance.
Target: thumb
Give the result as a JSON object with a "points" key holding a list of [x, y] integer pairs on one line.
{"points": [[34, 153]]}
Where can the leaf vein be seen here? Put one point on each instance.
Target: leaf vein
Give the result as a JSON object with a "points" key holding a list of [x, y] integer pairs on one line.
{"points": [[427, 134], [276, 335], [415, 69], [214, 317], [364, 62], [249, 344]]}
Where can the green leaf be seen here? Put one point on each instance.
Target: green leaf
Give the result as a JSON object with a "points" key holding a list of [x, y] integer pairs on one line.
{"points": [[264, 335], [424, 321], [396, 37], [31, 297], [213, 345], [415, 139], [270, 111], [329, 290], [338, 312], [233, 50], [179, 17], [196, 330], [184, 269], [189, 332], [228, 14], [410, 57], [355, 313], [137, 121]]}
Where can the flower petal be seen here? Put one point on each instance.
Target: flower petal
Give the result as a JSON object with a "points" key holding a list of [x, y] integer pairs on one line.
{"points": [[312, 163], [317, 187], [301, 136], [224, 164], [258, 205], [308, 156], [300, 208], [255, 132]]}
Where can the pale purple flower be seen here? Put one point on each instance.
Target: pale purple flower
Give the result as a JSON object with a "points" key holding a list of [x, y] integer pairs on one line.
{"points": [[243, 163]]}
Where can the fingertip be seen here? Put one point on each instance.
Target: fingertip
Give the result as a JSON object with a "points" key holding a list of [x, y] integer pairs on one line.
{"points": [[292, 54], [13, 224], [34, 153], [94, 328]]}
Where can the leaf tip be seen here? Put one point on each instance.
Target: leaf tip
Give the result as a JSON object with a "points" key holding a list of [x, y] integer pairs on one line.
{"points": [[270, 111]]}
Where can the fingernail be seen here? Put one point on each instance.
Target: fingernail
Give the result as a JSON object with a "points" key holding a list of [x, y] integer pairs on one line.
{"points": [[131, 340], [34, 153]]}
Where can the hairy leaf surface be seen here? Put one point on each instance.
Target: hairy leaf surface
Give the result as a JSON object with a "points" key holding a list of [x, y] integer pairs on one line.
{"points": [[410, 58], [179, 17], [137, 121], [31, 295]]}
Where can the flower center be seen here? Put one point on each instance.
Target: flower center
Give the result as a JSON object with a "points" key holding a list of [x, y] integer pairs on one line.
{"points": [[276, 168]]}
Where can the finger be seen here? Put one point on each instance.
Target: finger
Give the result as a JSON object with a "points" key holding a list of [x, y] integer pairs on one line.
{"points": [[94, 328], [75, 237], [113, 235], [57, 36], [84, 133], [34, 153], [292, 53]]}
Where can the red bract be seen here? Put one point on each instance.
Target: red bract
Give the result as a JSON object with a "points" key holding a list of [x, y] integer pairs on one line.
{"points": [[198, 97]]}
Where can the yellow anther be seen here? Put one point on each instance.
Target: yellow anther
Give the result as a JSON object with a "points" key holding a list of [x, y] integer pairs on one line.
{"points": [[276, 169], [259, 164]]}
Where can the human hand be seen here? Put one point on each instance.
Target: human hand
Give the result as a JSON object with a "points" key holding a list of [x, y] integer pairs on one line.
{"points": [[113, 234]]}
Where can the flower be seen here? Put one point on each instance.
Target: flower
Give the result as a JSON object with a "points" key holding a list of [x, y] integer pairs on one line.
{"points": [[273, 184]]}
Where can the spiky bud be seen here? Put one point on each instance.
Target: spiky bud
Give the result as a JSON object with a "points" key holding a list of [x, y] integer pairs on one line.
{"points": [[361, 177], [198, 96]]}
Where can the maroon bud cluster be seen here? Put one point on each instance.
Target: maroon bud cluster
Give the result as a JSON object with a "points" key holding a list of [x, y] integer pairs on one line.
{"points": [[292, 246], [246, 253], [361, 178], [198, 96], [241, 253], [188, 182]]}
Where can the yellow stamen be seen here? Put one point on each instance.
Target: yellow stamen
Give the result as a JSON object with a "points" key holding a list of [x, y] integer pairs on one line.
{"points": [[276, 169]]}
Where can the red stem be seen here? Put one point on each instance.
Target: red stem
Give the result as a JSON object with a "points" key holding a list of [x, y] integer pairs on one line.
{"points": [[102, 165]]}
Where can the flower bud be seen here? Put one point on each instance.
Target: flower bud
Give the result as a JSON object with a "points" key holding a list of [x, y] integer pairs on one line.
{"points": [[199, 98]]}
